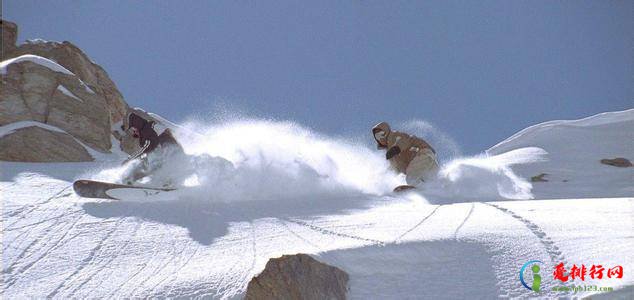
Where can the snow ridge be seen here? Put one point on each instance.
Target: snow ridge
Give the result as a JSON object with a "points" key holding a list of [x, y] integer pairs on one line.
{"points": [[45, 62]]}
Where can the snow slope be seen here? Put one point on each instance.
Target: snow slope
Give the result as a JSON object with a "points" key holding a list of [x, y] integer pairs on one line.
{"points": [[574, 151], [210, 243]]}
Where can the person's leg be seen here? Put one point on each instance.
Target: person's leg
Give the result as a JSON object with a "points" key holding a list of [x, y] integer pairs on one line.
{"points": [[424, 166], [170, 166], [137, 169]]}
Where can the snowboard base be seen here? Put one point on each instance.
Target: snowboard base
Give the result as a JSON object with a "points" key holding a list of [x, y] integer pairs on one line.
{"points": [[114, 191]]}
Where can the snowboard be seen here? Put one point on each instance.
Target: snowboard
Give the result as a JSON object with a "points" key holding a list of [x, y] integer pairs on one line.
{"points": [[402, 188], [114, 191]]}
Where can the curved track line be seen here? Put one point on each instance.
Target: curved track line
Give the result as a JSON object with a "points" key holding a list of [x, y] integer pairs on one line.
{"points": [[306, 241], [173, 274], [110, 259], [553, 251], [330, 232], [418, 224], [55, 246], [85, 262], [455, 234], [42, 221], [21, 211], [157, 270]]}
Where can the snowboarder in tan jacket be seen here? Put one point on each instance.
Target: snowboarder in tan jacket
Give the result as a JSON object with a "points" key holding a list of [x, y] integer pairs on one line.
{"points": [[407, 154]]}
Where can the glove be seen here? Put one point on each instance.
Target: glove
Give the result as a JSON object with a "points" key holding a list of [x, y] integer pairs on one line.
{"points": [[392, 152]]}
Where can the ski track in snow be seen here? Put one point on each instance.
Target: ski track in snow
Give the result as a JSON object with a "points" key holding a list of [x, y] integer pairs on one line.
{"points": [[455, 234], [417, 224], [87, 261], [554, 253], [334, 233], [164, 273]]}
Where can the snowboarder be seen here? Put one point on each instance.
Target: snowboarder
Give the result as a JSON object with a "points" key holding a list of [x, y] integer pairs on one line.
{"points": [[157, 145], [407, 154]]}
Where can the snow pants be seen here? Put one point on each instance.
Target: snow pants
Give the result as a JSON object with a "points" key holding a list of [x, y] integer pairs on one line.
{"points": [[423, 167]]}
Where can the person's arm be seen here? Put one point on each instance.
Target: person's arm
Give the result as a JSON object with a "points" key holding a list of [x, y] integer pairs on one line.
{"points": [[144, 146], [148, 141], [400, 143], [394, 151]]}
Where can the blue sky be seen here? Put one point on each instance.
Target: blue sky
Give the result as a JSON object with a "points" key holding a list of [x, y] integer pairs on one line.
{"points": [[478, 70]]}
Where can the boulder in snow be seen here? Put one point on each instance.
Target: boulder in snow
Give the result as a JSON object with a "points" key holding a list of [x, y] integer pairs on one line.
{"points": [[298, 276], [539, 178], [617, 162], [36, 144]]}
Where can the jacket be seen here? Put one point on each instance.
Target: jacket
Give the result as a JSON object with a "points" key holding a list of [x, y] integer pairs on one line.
{"points": [[401, 147]]}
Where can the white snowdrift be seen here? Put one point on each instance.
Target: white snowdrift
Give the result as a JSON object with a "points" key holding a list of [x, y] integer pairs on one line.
{"points": [[34, 59], [45, 62], [574, 151], [11, 128], [68, 93]]}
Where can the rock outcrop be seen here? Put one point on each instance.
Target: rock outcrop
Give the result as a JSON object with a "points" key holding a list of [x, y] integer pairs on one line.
{"points": [[9, 34], [298, 277], [33, 92], [56, 84], [73, 59], [43, 146], [617, 162]]}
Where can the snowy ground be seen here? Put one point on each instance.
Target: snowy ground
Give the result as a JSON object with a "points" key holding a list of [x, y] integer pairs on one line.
{"points": [[397, 246]]}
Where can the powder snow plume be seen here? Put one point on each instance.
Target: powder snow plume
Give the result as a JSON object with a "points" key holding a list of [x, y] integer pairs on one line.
{"points": [[246, 159], [484, 177]]}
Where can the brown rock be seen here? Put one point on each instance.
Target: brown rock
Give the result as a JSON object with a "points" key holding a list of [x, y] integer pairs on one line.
{"points": [[30, 91], [539, 178], [298, 277], [75, 60], [35, 144], [617, 162], [9, 33]]}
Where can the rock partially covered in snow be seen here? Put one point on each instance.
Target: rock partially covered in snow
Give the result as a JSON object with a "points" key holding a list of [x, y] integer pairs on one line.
{"points": [[617, 162], [36, 144], [57, 84], [37, 89], [73, 59], [9, 34], [298, 277]]}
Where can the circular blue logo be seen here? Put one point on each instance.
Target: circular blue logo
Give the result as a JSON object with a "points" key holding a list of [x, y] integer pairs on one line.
{"points": [[522, 273]]}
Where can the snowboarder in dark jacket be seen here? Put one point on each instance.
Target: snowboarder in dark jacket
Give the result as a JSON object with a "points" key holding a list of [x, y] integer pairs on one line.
{"points": [[149, 139], [156, 145]]}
